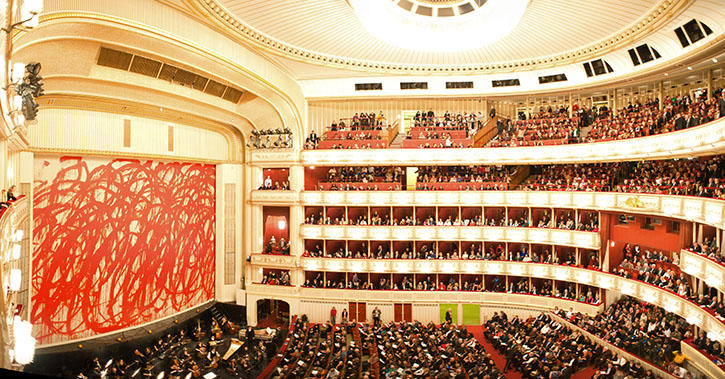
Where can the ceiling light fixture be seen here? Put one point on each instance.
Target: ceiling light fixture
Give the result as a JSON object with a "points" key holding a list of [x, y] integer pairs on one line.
{"points": [[407, 29]]}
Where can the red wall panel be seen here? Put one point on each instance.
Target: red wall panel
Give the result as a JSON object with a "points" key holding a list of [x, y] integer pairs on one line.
{"points": [[119, 243]]}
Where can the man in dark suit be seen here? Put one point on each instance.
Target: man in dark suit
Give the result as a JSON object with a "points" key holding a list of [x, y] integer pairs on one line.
{"points": [[693, 120], [510, 355], [680, 122], [721, 105]]}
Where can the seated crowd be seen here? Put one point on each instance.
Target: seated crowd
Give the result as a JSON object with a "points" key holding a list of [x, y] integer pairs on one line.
{"points": [[279, 279], [658, 269], [573, 177], [464, 177], [709, 249], [274, 247], [588, 221], [276, 186], [542, 128], [363, 127], [326, 351], [362, 178], [450, 130], [655, 268], [547, 126], [694, 177], [542, 347], [703, 177], [406, 283], [415, 350], [646, 331], [474, 252], [637, 120]]}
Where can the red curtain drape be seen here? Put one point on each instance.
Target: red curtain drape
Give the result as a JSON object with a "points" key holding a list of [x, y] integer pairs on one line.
{"points": [[271, 228]]}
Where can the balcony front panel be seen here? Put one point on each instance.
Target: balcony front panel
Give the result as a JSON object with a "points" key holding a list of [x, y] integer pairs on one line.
{"points": [[698, 209], [703, 268], [670, 301], [702, 140], [274, 197], [588, 240], [643, 291], [489, 298], [267, 157], [273, 261]]}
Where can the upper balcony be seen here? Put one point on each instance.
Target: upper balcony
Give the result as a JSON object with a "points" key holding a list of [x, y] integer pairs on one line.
{"points": [[707, 139]]}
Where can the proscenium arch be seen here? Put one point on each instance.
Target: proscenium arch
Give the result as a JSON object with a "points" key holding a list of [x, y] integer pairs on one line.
{"points": [[263, 105], [232, 136]]}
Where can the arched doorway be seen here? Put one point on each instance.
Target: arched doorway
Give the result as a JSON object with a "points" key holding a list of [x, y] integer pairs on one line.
{"points": [[272, 313]]}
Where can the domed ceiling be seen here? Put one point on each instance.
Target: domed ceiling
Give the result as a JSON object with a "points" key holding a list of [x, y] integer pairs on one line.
{"points": [[452, 35]]}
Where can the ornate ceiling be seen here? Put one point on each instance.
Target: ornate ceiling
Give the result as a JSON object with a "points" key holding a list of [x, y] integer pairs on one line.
{"points": [[551, 32]]}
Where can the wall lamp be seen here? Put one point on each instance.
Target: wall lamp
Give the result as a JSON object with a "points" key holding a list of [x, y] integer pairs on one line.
{"points": [[29, 11]]}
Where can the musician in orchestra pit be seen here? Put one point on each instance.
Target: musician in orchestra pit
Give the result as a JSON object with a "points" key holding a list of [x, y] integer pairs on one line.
{"points": [[250, 335], [200, 349], [121, 367], [148, 371]]}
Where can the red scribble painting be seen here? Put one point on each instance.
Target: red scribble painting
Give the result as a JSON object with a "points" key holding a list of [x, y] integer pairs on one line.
{"points": [[119, 243]]}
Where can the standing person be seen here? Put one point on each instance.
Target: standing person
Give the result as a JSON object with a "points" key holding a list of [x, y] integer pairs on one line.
{"points": [[344, 315], [510, 355], [249, 335], [376, 316], [333, 315], [11, 194], [449, 316]]}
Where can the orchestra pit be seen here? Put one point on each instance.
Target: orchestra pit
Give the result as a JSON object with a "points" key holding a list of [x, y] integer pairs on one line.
{"points": [[362, 189]]}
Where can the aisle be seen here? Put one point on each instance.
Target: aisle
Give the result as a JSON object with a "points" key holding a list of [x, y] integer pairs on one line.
{"points": [[495, 355], [587, 373]]}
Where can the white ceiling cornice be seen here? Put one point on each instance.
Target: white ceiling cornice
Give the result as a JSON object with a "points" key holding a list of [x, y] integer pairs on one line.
{"points": [[598, 33]]}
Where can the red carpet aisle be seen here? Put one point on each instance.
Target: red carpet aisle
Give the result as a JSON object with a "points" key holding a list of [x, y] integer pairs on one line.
{"points": [[497, 357], [587, 373]]}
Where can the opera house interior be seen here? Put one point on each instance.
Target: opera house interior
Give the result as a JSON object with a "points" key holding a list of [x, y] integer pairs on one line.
{"points": [[272, 189]]}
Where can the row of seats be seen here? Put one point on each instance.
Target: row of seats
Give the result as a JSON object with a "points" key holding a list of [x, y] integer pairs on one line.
{"points": [[703, 177], [542, 128]]}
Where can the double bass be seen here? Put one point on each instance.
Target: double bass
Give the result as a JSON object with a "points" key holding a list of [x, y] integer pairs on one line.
{"points": [[195, 372], [198, 334]]}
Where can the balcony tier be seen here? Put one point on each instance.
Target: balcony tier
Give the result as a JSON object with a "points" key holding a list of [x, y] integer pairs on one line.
{"points": [[707, 139], [690, 208]]}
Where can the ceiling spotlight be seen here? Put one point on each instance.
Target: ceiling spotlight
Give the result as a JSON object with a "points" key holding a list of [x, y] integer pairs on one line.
{"points": [[714, 60], [666, 74], [689, 68]]}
